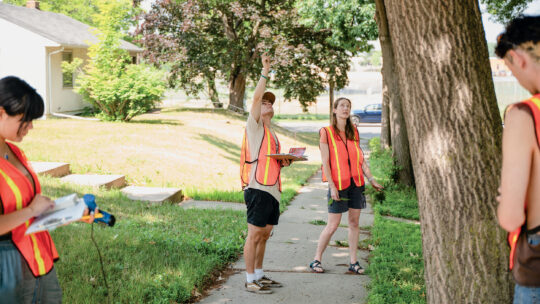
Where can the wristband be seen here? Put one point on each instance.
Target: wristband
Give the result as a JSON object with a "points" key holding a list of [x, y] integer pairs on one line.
{"points": [[264, 77], [371, 179]]}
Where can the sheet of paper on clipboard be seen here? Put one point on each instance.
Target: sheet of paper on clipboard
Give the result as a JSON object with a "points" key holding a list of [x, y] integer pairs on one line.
{"points": [[67, 209], [295, 154]]}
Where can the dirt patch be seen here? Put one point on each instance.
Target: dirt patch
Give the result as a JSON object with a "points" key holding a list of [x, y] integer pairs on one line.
{"points": [[216, 280]]}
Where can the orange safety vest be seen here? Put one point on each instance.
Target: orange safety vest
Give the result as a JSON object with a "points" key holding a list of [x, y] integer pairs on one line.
{"points": [[346, 159], [534, 105], [16, 193], [268, 169]]}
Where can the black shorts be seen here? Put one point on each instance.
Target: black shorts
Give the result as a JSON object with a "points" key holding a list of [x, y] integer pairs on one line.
{"points": [[262, 208], [355, 199]]}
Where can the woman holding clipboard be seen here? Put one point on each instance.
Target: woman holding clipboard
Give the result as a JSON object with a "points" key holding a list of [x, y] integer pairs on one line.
{"points": [[27, 273], [345, 168]]}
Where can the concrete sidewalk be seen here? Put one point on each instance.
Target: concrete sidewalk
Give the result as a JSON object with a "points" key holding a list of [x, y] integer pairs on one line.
{"points": [[289, 252]]}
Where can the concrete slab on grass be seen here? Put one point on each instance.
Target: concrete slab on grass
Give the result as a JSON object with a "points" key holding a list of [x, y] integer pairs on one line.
{"points": [[107, 181], [53, 169], [298, 288], [153, 194], [212, 205]]}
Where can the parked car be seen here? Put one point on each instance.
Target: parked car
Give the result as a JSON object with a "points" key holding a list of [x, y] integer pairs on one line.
{"points": [[369, 113]]}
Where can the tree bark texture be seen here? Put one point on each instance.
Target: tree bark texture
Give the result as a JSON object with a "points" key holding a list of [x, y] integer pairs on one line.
{"points": [[454, 132], [331, 99], [213, 93], [391, 92], [237, 90], [385, 116]]}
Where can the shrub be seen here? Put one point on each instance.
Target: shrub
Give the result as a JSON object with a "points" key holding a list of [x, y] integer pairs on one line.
{"points": [[118, 89]]}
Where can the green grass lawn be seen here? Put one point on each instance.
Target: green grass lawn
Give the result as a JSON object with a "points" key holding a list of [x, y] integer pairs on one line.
{"points": [[306, 116], [395, 200], [155, 253], [195, 150], [396, 265]]}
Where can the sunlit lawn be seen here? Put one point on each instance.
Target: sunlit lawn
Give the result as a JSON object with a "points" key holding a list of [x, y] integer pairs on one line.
{"points": [[195, 150], [155, 253], [396, 265]]}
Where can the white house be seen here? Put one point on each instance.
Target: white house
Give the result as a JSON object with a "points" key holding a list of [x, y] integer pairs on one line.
{"points": [[33, 44]]}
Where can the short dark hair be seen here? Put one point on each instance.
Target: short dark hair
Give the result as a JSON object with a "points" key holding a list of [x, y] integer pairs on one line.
{"points": [[518, 31], [18, 97]]}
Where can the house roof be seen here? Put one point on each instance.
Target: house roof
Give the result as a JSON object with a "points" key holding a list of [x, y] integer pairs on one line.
{"points": [[59, 28]]}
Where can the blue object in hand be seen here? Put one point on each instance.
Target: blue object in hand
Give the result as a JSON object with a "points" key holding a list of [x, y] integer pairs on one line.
{"points": [[107, 219]]}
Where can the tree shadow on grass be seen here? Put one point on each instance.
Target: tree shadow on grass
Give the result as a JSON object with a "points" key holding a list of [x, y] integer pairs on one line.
{"points": [[170, 122], [308, 138], [232, 149], [225, 112]]}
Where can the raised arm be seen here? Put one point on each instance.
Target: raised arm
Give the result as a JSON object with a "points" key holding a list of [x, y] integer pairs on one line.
{"points": [[259, 90]]}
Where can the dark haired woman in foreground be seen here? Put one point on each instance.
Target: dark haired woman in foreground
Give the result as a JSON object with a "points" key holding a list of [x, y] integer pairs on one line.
{"points": [[27, 273]]}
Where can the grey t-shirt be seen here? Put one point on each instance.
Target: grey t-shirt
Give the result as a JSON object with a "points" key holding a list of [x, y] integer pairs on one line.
{"points": [[255, 133]]}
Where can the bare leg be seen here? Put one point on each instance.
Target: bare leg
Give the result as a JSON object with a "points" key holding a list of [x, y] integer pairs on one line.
{"points": [[333, 222], [354, 217], [254, 237], [261, 247]]}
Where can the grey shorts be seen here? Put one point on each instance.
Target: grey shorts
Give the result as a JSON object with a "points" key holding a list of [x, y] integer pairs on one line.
{"points": [[354, 198], [18, 284]]}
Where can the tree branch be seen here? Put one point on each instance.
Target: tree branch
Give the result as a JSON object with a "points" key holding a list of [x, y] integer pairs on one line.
{"points": [[229, 31]]}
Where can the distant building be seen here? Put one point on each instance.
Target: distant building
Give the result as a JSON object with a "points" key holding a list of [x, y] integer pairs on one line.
{"points": [[498, 68], [33, 45]]}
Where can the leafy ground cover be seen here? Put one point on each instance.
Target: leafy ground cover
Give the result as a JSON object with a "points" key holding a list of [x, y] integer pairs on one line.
{"points": [[396, 264]]}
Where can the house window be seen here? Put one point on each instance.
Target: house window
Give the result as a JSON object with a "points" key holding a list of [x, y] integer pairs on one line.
{"points": [[67, 77]]}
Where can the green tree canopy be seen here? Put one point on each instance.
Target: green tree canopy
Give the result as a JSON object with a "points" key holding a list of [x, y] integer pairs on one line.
{"points": [[505, 10], [85, 11], [350, 22], [82, 10], [206, 39], [118, 89], [349, 25]]}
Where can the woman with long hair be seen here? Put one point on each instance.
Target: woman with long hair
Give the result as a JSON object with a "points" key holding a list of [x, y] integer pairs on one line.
{"points": [[345, 168]]}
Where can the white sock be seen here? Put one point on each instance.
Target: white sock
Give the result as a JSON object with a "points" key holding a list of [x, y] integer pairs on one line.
{"points": [[259, 273], [251, 277]]}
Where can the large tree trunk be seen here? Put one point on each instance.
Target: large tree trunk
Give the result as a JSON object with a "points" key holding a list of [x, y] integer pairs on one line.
{"points": [[237, 90], [212, 91], [331, 99], [454, 132], [385, 118], [392, 96]]}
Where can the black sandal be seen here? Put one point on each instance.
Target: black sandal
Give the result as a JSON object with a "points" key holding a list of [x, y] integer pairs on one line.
{"points": [[356, 268], [316, 264]]}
